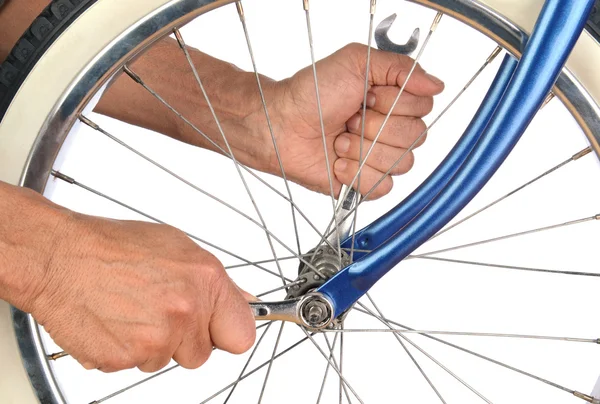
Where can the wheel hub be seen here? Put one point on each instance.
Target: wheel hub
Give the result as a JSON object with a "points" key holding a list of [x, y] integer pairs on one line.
{"points": [[325, 263]]}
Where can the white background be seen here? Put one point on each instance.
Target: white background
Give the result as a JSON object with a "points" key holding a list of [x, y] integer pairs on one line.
{"points": [[420, 293]]}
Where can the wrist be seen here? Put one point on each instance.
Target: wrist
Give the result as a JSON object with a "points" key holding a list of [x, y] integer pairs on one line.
{"points": [[235, 98], [30, 232]]}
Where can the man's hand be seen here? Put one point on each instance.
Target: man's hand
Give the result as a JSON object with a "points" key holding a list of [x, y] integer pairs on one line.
{"points": [[341, 85], [118, 295], [293, 110]]}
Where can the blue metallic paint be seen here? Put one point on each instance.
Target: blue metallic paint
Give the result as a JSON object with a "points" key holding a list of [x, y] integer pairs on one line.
{"points": [[389, 224], [558, 27]]}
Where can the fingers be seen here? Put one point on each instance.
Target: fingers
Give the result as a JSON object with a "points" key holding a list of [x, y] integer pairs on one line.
{"points": [[346, 169], [232, 325], [392, 69], [399, 131], [382, 157], [157, 346], [408, 104], [153, 365], [195, 349]]}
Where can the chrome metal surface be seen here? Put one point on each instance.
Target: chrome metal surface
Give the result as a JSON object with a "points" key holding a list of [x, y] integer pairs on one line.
{"points": [[146, 31], [385, 43], [343, 207], [312, 310], [286, 310]]}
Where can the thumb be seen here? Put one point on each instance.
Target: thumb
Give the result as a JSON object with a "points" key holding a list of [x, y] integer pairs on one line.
{"points": [[392, 69], [232, 325]]}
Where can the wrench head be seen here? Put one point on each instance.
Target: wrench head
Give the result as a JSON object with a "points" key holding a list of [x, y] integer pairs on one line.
{"points": [[384, 42]]}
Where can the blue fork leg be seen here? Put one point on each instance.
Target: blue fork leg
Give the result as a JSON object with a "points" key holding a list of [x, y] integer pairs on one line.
{"points": [[389, 224], [559, 25]]}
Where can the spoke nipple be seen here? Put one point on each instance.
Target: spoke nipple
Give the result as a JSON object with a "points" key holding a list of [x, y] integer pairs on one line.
{"points": [[436, 21], [495, 53], [373, 6], [179, 38], [305, 4], [597, 217], [582, 153], [88, 122], [240, 9], [63, 177], [587, 398], [133, 76], [549, 98], [598, 341], [57, 355]]}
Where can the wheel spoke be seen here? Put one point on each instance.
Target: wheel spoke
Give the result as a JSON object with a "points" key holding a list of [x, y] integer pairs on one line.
{"points": [[332, 363], [56, 356], [363, 123], [256, 369], [342, 364], [451, 373], [154, 376], [287, 286], [240, 10], [99, 129], [249, 360], [72, 181], [487, 62], [264, 386], [183, 47], [341, 375], [305, 4], [574, 157], [147, 88], [328, 231], [517, 268], [508, 236], [410, 355], [463, 333], [575, 393], [333, 345], [123, 390], [266, 261], [432, 29]]}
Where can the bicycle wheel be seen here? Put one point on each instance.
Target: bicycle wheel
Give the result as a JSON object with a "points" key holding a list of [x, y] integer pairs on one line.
{"points": [[28, 159]]}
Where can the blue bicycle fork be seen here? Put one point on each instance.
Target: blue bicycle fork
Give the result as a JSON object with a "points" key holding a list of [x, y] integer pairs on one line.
{"points": [[507, 110]]}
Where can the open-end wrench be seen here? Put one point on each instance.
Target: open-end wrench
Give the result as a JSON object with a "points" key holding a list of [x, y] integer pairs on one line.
{"points": [[385, 43], [314, 310]]}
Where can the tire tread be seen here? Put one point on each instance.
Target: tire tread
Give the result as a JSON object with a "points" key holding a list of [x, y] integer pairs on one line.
{"points": [[33, 44]]}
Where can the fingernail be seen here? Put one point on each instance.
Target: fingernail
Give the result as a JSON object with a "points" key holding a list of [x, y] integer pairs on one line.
{"points": [[353, 122], [341, 165], [342, 144], [434, 79], [371, 100]]}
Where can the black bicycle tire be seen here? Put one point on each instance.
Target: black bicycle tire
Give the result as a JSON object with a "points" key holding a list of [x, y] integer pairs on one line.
{"points": [[60, 14], [32, 45]]}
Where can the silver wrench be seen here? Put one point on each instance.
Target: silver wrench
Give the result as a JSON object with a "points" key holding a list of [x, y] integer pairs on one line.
{"points": [[314, 310], [385, 43]]}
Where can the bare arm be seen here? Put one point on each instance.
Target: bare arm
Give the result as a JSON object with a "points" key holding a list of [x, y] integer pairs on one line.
{"points": [[166, 70]]}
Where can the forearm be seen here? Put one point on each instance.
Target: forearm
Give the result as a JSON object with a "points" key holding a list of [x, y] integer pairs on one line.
{"points": [[30, 227], [233, 94], [15, 18]]}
